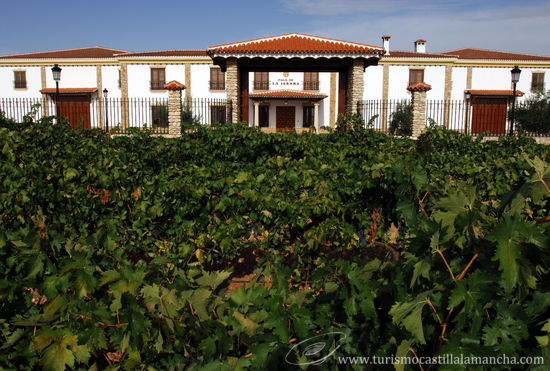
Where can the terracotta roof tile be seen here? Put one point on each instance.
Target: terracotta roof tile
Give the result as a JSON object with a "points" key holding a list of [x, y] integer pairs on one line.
{"points": [[92, 52], [167, 53], [471, 53], [405, 54], [69, 90], [495, 92], [419, 86], [174, 85], [295, 43], [288, 94]]}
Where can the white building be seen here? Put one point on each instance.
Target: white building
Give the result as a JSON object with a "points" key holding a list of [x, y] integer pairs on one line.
{"points": [[286, 81]]}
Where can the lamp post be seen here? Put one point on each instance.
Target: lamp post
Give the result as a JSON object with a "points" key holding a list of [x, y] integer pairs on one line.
{"points": [[105, 92], [56, 71], [515, 78]]}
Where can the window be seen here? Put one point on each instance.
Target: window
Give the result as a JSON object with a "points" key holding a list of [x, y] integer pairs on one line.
{"points": [[537, 82], [157, 78], [311, 80], [160, 116], [264, 116], [218, 114], [416, 76], [308, 116], [261, 80], [20, 79], [217, 79]]}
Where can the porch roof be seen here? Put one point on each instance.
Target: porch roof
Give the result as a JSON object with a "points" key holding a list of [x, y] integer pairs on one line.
{"points": [[295, 44], [69, 90], [507, 93], [287, 94]]}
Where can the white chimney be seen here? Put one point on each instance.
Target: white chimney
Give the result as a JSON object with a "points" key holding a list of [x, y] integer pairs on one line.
{"points": [[420, 46], [386, 41]]}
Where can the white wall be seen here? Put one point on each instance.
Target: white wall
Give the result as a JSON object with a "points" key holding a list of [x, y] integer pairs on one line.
{"points": [[459, 82], [398, 82], [109, 80], [139, 79], [34, 83], [73, 77], [200, 82], [435, 76], [374, 80]]}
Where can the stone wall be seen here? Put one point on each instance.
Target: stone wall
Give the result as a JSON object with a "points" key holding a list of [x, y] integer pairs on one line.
{"points": [[419, 91]]}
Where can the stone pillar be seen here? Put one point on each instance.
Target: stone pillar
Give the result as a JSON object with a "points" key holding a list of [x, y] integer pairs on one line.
{"points": [[385, 97], [233, 88], [99, 85], [333, 98], [418, 91], [356, 75], [188, 84], [316, 116], [125, 109], [447, 95], [174, 107], [45, 107], [256, 114]]}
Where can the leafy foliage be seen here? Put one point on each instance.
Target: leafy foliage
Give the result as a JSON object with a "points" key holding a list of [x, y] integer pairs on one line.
{"points": [[534, 114], [402, 120], [119, 252]]}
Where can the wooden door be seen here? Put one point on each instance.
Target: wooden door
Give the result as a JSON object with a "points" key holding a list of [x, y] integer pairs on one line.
{"points": [[489, 115], [286, 117], [76, 108]]}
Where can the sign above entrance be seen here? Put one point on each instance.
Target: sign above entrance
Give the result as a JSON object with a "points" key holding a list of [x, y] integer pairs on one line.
{"points": [[284, 82]]}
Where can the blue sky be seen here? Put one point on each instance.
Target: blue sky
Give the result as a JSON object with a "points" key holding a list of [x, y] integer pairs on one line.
{"points": [[519, 26]]}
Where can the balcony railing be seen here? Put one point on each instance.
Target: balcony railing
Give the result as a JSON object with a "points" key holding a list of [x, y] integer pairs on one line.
{"points": [[261, 85], [157, 85], [311, 85], [20, 84], [217, 85]]}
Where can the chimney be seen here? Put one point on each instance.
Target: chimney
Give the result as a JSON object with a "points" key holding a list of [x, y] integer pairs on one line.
{"points": [[420, 46], [386, 41]]}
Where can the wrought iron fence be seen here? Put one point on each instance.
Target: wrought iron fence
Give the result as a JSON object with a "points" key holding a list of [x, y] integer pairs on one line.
{"points": [[118, 114], [378, 113]]}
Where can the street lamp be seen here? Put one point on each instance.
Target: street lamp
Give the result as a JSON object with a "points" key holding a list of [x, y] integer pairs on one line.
{"points": [[515, 78], [105, 92], [56, 71]]}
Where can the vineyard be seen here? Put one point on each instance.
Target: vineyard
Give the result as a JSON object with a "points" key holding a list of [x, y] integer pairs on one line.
{"points": [[225, 248]]}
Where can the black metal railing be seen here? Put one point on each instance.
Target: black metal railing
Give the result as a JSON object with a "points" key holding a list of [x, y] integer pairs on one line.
{"points": [[261, 85], [217, 85], [311, 85], [378, 113]]}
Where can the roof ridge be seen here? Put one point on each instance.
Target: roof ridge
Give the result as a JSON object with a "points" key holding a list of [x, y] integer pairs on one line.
{"points": [[497, 51], [161, 50], [277, 37], [64, 50]]}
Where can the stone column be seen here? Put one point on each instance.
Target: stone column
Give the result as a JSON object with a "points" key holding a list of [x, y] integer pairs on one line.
{"points": [[447, 95], [99, 85], [188, 85], [385, 96], [125, 109], [233, 88], [316, 116], [356, 75], [256, 114], [45, 107], [174, 107], [418, 91]]}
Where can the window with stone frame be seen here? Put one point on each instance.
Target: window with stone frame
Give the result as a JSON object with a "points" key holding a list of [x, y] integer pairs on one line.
{"points": [[263, 113], [218, 114], [20, 79], [159, 114], [416, 75], [311, 80], [308, 116], [261, 80], [537, 82], [217, 79], [158, 78]]}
